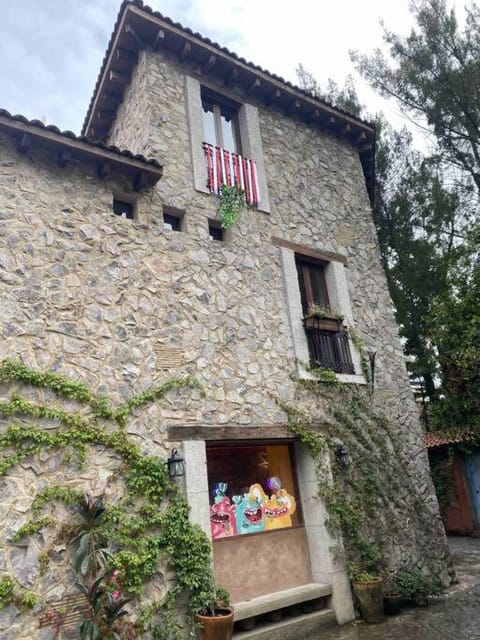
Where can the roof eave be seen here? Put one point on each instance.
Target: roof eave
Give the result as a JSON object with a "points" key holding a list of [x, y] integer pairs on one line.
{"points": [[139, 27], [32, 134]]}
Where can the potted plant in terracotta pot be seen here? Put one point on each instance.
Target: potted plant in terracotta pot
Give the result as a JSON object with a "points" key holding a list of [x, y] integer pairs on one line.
{"points": [[368, 590], [214, 620]]}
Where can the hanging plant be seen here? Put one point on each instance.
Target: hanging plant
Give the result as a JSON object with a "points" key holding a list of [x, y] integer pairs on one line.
{"points": [[232, 201]]}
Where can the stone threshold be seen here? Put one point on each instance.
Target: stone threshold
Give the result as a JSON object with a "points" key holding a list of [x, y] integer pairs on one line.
{"points": [[281, 599], [304, 626]]}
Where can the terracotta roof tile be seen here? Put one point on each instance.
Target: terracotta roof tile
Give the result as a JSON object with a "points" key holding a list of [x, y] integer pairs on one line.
{"points": [[439, 439], [205, 40], [69, 134]]}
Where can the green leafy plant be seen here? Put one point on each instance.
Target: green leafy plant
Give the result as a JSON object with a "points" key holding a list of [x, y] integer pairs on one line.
{"points": [[415, 586], [318, 311], [232, 201], [116, 548], [90, 552]]}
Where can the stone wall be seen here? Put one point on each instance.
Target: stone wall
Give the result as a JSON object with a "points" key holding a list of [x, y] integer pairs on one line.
{"points": [[122, 305]]}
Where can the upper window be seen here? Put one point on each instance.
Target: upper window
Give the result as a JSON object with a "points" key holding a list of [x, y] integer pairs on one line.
{"points": [[220, 123], [327, 336], [313, 288]]}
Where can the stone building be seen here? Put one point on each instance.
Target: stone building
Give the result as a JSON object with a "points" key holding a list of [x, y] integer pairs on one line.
{"points": [[116, 272]]}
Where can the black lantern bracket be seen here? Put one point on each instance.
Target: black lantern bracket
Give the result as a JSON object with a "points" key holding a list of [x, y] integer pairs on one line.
{"points": [[175, 464]]}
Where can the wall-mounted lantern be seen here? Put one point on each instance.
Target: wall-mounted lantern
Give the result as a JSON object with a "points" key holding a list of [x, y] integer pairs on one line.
{"points": [[176, 468], [341, 455]]}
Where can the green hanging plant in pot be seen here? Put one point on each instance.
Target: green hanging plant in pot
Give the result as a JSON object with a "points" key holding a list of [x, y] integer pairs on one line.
{"points": [[232, 201], [215, 620]]}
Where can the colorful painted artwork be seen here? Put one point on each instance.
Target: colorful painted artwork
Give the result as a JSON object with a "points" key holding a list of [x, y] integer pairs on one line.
{"points": [[278, 510], [249, 514], [222, 518]]}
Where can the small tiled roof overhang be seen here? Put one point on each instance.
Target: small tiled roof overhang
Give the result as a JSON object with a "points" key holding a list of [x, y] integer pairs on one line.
{"points": [[106, 160], [139, 27], [440, 439]]}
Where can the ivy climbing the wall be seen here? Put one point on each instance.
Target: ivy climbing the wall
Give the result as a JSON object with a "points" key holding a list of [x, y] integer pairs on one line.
{"points": [[118, 547], [374, 500]]}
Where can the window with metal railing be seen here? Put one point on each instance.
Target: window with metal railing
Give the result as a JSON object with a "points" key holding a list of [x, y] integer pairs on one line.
{"points": [[327, 336], [225, 163]]}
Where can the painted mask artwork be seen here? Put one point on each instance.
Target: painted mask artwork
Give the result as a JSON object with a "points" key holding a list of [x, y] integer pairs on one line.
{"points": [[222, 518], [279, 508], [219, 491], [249, 513]]}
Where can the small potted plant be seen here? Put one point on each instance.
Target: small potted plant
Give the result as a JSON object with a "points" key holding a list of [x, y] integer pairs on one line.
{"points": [[319, 317], [368, 590], [415, 587], [214, 621], [392, 598]]}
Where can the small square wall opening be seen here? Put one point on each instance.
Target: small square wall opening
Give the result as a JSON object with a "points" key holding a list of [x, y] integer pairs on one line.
{"points": [[215, 231], [124, 208], [173, 219]]}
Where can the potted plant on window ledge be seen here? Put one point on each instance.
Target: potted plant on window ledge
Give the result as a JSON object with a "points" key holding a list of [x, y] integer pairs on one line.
{"points": [[214, 620], [319, 317]]}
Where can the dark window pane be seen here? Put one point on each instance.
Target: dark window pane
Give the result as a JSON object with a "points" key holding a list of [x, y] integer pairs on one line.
{"points": [[122, 208], [215, 233], [319, 291], [209, 125], [311, 280], [228, 131], [171, 223]]}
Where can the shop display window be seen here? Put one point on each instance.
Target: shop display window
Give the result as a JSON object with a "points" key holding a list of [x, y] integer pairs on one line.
{"points": [[252, 489]]}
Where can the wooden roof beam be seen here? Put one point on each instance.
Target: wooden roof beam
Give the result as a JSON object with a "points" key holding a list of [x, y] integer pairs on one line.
{"points": [[120, 78], [254, 87], [159, 40], [293, 107], [25, 143], [129, 30], [186, 51], [313, 116], [140, 181], [105, 115], [127, 55], [365, 148], [275, 96], [361, 138], [103, 169], [209, 64], [63, 158], [231, 77], [111, 94]]}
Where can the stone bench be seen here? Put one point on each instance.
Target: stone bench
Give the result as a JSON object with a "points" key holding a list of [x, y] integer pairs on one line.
{"points": [[280, 600]]}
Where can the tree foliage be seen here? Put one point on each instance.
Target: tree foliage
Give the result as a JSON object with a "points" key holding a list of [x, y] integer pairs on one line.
{"points": [[418, 219], [433, 73], [455, 324]]}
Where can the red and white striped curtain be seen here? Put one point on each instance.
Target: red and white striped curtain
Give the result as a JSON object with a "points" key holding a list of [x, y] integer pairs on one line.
{"points": [[232, 169]]}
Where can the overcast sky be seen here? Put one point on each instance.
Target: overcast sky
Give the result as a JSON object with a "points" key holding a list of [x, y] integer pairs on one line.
{"points": [[51, 50]]}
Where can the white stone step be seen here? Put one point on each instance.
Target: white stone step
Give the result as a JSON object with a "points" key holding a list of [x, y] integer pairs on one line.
{"points": [[304, 626], [280, 599]]}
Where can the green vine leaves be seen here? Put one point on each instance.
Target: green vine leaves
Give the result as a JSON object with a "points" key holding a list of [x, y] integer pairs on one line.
{"points": [[232, 201], [370, 500], [146, 524]]}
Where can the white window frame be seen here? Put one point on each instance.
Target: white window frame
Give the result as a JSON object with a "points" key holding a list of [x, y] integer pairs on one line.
{"points": [[336, 283], [250, 141]]}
